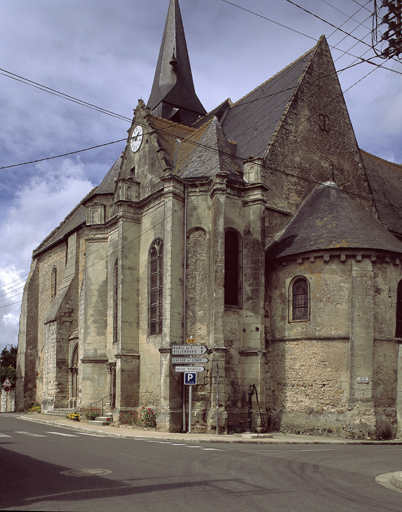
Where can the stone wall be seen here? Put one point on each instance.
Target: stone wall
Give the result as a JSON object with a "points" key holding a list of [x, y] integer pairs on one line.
{"points": [[338, 369]]}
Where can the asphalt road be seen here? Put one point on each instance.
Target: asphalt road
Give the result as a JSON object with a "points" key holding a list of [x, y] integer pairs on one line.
{"points": [[50, 468]]}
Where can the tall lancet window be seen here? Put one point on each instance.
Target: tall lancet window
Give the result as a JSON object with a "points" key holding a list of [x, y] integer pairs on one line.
{"points": [[233, 268], [155, 287], [53, 283], [398, 330], [115, 300]]}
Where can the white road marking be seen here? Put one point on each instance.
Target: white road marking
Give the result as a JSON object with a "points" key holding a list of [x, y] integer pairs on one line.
{"points": [[28, 433], [62, 434], [4, 435], [89, 434]]}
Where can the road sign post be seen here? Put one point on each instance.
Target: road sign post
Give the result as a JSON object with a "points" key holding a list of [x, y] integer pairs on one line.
{"points": [[190, 380], [189, 354]]}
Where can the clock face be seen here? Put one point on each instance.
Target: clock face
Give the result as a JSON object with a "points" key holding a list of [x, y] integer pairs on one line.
{"points": [[136, 139]]}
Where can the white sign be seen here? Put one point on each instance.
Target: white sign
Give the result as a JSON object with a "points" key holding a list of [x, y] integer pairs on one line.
{"points": [[189, 360], [189, 350], [182, 369], [6, 383], [362, 380]]}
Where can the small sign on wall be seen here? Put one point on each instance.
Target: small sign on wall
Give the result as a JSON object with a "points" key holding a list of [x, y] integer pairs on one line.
{"points": [[362, 380]]}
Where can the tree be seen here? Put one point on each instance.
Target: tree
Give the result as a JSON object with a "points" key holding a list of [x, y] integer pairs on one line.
{"points": [[8, 364]]}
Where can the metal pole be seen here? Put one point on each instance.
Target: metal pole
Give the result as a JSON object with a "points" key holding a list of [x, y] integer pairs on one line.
{"points": [[184, 406], [217, 399], [184, 293], [190, 397]]}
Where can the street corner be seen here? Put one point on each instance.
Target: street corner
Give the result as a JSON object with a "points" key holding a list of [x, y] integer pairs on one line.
{"points": [[392, 481]]}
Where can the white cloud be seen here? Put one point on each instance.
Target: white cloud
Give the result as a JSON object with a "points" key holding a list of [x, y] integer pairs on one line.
{"points": [[40, 205], [10, 319]]}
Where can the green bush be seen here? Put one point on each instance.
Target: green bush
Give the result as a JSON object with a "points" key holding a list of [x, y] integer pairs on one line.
{"points": [[35, 408]]}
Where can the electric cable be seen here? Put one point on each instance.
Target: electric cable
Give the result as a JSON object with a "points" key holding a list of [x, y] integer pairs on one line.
{"points": [[127, 119]]}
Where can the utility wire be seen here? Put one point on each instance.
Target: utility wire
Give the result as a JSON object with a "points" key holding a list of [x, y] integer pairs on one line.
{"points": [[122, 117], [64, 154], [49, 90]]}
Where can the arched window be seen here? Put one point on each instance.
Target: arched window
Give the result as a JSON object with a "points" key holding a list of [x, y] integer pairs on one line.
{"points": [[233, 268], [155, 287], [74, 373], [300, 299], [115, 300], [398, 330], [53, 283]]}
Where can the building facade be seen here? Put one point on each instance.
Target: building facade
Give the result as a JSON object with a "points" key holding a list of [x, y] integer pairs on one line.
{"points": [[261, 230]]}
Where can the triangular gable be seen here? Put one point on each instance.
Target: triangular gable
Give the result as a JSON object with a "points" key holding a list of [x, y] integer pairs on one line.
{"points": [[253, 120]]}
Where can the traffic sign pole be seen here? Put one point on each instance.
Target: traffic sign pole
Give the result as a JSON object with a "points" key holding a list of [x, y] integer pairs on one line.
{"points": [[190, 399]]}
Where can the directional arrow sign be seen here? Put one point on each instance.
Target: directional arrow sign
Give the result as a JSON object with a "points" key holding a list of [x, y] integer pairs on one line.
{"points": [[189, 360], [182, 369], [189, 350]]}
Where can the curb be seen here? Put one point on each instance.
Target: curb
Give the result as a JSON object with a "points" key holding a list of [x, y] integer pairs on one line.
{"points": [[275, 438]]}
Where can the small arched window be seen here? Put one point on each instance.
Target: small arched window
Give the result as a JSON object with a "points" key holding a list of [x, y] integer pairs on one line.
{"points": [[233, 268], [115, 300], [53, 283], [300, 299], [155, 287], [398, 330]]}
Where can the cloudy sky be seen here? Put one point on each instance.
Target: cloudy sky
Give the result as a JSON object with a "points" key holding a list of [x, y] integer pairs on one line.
{"points": [[104, 53]]}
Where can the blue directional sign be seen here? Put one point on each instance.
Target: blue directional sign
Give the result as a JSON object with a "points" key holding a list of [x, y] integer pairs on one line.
{"points": [[190, 378]]}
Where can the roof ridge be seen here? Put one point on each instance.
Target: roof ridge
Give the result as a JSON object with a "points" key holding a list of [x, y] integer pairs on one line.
{"points": [[285, 112], [380, 158], [172, 123], [65, 220], [276, 74]]}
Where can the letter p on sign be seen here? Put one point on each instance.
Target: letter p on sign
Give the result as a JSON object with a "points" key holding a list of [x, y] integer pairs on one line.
{"points": [[190, 378]]}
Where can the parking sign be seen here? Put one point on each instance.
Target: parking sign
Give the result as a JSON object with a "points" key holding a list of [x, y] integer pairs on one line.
{"points": [[190, 378]]}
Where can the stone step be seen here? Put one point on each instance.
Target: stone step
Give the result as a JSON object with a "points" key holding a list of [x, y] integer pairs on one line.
{"points": [[101, 420]]}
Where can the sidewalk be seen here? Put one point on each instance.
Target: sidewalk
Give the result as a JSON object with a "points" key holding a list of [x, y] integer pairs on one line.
{"points": [[154, 435]]}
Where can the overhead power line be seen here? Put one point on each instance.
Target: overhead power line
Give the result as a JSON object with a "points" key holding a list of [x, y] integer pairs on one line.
{"points": [[60, 94], [64, 154]]}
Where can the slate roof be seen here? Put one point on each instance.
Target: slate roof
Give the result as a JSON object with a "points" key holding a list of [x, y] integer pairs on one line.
{"points": [[107, 185], [385, 180], [205, 152], [174, 84], [253, 120], [168, 134], [330, 219], [77, 217]]}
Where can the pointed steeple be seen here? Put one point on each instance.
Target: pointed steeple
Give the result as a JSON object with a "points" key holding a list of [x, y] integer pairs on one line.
{"points": [[173, 95]]}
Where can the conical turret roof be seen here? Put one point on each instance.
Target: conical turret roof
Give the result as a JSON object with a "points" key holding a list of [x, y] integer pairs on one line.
{"points": [[330, 219]]}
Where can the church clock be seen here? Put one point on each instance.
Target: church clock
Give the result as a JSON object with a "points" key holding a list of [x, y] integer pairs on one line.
{"points": [[136, 139]]}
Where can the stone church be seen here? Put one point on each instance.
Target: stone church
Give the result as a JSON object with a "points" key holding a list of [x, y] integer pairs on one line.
{"points": [[261, 230]]}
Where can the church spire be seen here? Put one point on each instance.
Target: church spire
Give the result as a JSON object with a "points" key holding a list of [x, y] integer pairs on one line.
{"points": [[173, 95]]}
